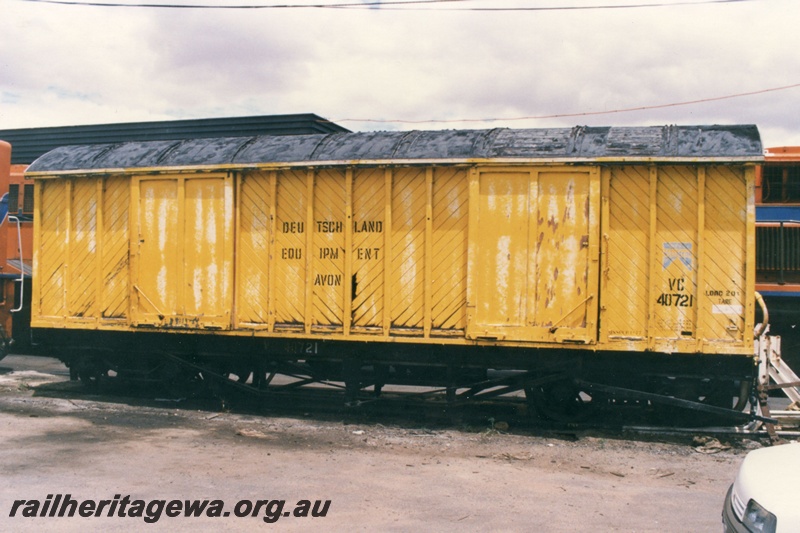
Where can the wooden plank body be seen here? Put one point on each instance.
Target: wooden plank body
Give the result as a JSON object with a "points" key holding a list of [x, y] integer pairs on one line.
{"points": [[597, 256]]}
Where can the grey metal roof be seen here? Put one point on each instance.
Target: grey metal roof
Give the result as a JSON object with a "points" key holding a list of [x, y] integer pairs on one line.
{"points": [[580, 143], [30, 143]]}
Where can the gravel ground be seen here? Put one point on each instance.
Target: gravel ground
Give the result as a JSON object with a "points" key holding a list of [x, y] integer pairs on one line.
{"points": [[389, 476]]}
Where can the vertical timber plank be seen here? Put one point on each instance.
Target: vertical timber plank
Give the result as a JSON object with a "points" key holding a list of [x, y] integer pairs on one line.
{"points": [[428, 265], [702, 301], [347, 306], [652, 289]]}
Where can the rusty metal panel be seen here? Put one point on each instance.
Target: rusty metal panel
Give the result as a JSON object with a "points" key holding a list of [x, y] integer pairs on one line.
{"points": [[291, 249], [725, 239], [534, 255], [565, 255], [450, 213], [115, 246], [255, 227], [627, 264], [328, 250], [51, 253], [409, 203], [83, 272]]}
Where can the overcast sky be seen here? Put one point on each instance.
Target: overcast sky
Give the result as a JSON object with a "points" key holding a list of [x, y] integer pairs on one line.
{"points": [[393, 67]]}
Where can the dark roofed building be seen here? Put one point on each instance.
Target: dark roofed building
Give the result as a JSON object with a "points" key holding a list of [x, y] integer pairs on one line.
{"points": [[29, 143]]}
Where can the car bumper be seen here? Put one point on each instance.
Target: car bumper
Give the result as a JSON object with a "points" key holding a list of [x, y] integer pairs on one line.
{"points": [[731, 524]]}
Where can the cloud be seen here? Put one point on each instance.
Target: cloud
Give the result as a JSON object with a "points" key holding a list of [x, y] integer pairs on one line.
{"points": [[78, 65]]}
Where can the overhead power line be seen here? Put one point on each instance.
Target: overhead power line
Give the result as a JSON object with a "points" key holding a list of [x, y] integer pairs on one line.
{"points": [[338, 5], [581, 114], [405, 5]]}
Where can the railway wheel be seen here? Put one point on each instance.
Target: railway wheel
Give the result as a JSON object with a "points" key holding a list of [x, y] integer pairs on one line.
{"points": [[724, 393], [92, 378], [240, 374], [91, 371], [561, 401], [180, 381]]}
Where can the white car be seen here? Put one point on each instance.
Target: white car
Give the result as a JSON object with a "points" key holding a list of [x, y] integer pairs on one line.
{"points": [[765, 496]]}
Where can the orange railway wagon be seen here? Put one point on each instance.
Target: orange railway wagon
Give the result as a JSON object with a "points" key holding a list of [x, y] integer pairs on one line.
{"points": [[16, 236]]}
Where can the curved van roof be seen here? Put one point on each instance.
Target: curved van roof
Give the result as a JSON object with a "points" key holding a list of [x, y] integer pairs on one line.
{"points": [[624, 144]]}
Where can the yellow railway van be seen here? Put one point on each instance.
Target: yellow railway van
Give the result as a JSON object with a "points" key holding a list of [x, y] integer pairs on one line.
{"points": [[619, 255]]}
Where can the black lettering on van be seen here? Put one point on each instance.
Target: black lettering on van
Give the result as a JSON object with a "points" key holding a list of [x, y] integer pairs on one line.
{"points": [[291, 253], [293, 227], [368, 226], [329, 253], [329, 226], [328, 280], [366, 254]]}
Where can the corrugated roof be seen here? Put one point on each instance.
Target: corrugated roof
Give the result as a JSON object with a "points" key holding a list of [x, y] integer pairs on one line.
{"points": [[580, 143], [30, 143]]}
